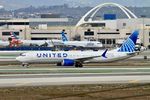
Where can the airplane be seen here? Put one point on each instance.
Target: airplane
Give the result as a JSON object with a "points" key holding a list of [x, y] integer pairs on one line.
{"points": [[16, 41], [89, 44], [78, 58], [64, 42]]}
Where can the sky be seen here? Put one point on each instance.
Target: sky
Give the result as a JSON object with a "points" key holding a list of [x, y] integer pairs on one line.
{"points": [[15, 4]]}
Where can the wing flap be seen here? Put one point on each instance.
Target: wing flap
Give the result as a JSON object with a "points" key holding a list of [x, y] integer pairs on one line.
{"points": [[91, 57]]}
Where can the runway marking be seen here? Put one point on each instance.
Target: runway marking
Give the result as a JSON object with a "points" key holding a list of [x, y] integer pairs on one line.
{"points": [[22, 84], [134, 81], [76, 68], [43, 81]]}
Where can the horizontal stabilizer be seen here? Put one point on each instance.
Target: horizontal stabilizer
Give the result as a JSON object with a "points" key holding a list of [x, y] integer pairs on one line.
{"points": [[104, 54]]}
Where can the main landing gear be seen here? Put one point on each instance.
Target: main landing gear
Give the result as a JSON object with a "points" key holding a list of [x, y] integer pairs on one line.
{"points": [[59, 64], [78, 65]]}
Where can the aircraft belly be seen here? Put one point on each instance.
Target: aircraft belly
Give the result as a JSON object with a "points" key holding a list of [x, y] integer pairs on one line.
{"points": [[104, 60], [45, 61]]}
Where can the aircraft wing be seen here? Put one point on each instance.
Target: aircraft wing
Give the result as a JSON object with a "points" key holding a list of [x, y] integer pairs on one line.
{"points": [[88, 58], [134, 53]]}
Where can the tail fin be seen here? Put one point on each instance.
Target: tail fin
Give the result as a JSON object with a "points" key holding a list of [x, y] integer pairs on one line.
{"points": [[13, 35], [64, 38], [129, 44]]}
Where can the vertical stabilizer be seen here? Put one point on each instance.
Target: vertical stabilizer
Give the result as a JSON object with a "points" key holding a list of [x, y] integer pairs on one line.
{"points": [[129, 44], [64, 38], [13, 35]]}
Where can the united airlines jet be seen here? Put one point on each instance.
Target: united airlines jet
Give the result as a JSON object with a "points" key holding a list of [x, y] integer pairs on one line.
{"points": [[78, 58]]}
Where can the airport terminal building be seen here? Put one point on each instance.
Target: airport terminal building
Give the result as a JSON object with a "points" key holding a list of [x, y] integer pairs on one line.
{"points": [[109, 30]]}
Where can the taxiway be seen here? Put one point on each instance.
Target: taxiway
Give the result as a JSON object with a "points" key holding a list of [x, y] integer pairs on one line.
{"points": [[19, 80]]}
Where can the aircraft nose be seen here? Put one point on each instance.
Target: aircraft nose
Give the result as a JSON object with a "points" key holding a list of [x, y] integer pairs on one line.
{"points": [[19, 58]]}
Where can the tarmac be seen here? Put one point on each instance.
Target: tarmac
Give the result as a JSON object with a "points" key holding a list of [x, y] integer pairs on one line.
{"points": [[72, 76], [63, 79]]}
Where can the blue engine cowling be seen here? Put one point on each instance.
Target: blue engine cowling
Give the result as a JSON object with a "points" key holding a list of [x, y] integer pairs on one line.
{"points": [[68, 62]]}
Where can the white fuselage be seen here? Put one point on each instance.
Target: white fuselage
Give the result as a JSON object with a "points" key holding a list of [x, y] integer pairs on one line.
{"points": [[4, 43], [35, 42], [51, 43], [59, 56], [83, 43]]}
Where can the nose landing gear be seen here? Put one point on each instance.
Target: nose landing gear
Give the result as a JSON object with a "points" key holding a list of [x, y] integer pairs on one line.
{"points": [[26, 65]]}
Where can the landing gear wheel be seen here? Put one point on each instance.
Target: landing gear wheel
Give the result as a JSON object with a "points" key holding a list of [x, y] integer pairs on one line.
{"points": [[26, 65], [78, 65], [59, 64]]}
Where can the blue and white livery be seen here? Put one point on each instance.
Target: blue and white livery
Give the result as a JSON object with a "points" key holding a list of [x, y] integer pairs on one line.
{"points": [[78, 58], [129, 44], [64, 38], [93, 44]]}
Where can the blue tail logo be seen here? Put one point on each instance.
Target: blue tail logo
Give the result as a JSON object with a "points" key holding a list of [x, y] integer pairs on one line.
{"points": [[129, 44], [64, 38]]}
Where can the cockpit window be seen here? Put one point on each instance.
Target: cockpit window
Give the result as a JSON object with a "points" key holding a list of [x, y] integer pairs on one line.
{"points": [[22, 54]]}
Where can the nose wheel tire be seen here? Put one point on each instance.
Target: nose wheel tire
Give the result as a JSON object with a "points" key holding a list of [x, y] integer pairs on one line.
{"points": [[26, 65]]}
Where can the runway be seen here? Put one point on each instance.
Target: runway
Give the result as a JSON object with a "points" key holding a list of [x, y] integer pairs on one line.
{"points": [[19, 80], [16, 76]]}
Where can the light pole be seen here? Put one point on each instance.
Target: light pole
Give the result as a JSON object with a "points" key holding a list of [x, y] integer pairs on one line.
{"points": [[143, 16]]}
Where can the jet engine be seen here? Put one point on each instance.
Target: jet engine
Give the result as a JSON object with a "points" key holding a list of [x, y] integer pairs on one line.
{"points": [[68, 62]]}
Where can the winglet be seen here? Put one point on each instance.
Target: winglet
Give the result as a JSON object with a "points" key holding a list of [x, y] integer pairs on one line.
{"points": [[104, 53]]}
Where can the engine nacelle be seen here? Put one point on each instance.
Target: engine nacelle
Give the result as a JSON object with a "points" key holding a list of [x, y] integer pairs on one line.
{"points": [[68, 62]]}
